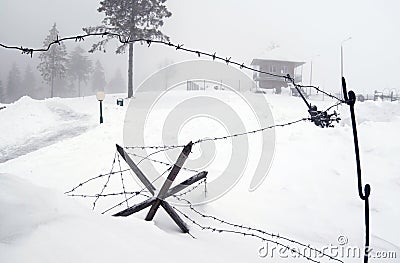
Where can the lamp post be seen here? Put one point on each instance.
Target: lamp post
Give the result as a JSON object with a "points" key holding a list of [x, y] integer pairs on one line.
{"points": [[341, 61], [311, 69], [100, 97]]}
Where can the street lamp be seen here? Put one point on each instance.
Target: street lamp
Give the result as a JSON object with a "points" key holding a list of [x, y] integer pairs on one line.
{"points": [[100, 97], [312, 68], [341, 61]]}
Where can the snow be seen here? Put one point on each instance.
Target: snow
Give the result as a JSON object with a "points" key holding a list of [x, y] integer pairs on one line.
{"points": [[310, 194]]}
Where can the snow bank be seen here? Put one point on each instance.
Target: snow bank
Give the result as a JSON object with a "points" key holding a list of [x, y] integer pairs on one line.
{"points": [[373, 111], [310, 193]]}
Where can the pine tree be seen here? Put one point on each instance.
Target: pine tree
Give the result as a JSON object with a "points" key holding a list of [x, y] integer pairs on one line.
{"points": [[29, 82], [117, 83], [98, 79], [53, 62], [132, 19], [79, 67], [14, 89]]}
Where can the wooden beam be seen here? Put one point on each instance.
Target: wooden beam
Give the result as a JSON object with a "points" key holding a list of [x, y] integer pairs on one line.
{"points": [[186, 183], [171, 212], [170, 179], [136, 208], [136, 170]]}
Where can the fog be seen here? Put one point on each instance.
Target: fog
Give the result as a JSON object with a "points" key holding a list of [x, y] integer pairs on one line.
{"points": [[243, 30]]}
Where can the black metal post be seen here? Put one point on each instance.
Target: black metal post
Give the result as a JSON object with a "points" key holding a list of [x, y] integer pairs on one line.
{"points": [[101, 111], [350, 98]]}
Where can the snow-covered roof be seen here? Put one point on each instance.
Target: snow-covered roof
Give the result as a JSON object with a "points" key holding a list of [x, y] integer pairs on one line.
{"points": [[279, 54]]}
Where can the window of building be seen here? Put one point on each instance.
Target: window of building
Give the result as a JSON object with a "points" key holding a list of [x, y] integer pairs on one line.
{"points": [[285, 70], [272, 68]]}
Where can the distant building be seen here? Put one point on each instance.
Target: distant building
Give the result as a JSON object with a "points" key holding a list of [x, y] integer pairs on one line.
{"points": [[277, 65]]}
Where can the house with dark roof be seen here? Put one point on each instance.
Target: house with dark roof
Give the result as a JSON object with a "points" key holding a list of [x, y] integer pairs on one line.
{"points": [[276, 64]]}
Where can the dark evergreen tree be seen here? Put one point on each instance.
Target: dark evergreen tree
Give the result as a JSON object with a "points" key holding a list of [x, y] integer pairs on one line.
{"points": [[53, 62], [14, 89], [29, 82], [2, 93], [79, 67], [98, 79], [132, 19], [117, 83]]}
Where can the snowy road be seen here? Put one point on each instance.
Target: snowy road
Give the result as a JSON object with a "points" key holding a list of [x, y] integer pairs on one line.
{"points": [[60, 122]]}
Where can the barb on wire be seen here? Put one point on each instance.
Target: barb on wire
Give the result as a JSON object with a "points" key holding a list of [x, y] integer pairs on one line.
{"points": [[322, 91], [247, 228]]}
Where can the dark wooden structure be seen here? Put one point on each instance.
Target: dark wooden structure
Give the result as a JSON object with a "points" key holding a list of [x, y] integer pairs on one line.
{"points": [[158, 198], [278, 67]]}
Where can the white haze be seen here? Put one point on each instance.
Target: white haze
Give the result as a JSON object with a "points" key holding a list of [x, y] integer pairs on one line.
{"points": [[238, 29]]}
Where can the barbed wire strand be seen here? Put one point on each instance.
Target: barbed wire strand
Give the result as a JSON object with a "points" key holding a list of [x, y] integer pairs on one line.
{"points": [[94, 178], [122, 181], [251, 132], [141, 190], [221, 137], [127, 40], [191, 207], [220, 230], [161, 162], [193, 188], [104, 195], [108, 179]]}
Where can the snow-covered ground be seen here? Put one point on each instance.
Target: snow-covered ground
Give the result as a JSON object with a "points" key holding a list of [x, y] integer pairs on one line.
{"points": [[309, 195]]}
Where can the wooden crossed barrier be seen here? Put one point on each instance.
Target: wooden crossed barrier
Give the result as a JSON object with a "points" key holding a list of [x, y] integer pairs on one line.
{"points": [[158, 198]]}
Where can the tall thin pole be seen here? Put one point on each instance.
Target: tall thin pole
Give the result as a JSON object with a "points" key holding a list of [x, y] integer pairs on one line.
{"points": [[341, 62], [101, 111]]}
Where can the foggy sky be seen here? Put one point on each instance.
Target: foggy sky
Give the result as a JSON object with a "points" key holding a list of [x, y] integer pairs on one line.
{"points": [[239, 29]]}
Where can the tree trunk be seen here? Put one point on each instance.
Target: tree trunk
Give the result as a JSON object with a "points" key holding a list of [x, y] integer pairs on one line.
{"points": [[52, 73], [52, 84], [130, 71], [79, 87]]}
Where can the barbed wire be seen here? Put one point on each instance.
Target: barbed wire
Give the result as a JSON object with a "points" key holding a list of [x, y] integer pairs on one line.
{"points": [[204, 181], [128, 40], [122, 181], [247, 228], [161, 162], [94, 178], [320, 118], [247, 234], [251, 132], [141, 190], [169, 147], [104, 195], [108, 179]]}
